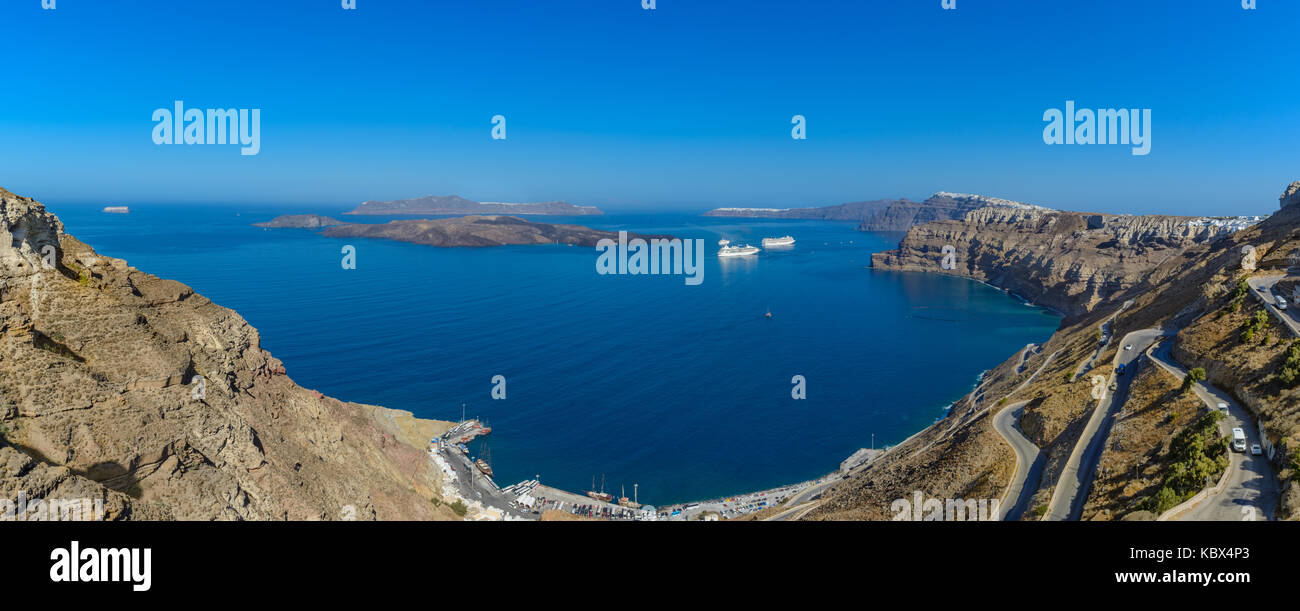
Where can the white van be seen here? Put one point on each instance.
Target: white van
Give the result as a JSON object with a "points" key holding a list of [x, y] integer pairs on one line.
{"points": [[1238, 439]]}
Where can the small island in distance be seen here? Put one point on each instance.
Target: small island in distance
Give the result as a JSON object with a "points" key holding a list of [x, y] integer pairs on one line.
{"points": [[454, 204], [300, 221], [477, 231]]}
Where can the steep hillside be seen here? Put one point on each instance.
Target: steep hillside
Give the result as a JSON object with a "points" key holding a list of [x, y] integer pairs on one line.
{"points": [[1179, 279], [100, 367]]}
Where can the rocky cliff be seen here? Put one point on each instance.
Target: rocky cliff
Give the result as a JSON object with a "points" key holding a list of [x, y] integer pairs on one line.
{"points": [[1189, 288], [891, 215], [1069, 261], [134, 390]]}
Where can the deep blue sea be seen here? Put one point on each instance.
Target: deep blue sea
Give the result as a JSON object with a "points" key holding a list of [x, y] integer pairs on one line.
{"points": [[685, 390]]}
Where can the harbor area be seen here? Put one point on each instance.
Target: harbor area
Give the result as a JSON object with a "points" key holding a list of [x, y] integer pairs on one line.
{"points": [[468, 479]]}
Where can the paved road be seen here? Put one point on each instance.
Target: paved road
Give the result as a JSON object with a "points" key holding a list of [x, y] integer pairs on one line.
{"points": [[1076, 478], [1029, 461], [1106, 331], [483, 490], [1262, 286], [1251, 482], [810, 496]]}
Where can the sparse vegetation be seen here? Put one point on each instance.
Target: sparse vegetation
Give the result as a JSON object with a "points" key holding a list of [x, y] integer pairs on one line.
{"points": [[1197, 456], [1040, 510], [1238, 296], [460, 508], [1256, 324], [1290, 374]]}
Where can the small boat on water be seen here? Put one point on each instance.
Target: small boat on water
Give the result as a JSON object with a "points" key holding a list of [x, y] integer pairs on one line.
{"points": [[117, 209], [728, 250], [630, 503], [781, 241], [484, 463], [599, 496]]}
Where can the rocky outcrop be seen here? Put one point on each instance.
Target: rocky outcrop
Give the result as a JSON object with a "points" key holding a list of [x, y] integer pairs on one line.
{"points": [[454, 204], [128, 388], [1291, 196], [888, 215], [300, 221], [1069, 261], [475, 231]]}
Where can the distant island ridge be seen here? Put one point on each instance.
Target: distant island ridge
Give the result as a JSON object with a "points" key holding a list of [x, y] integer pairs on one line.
{"points": [[885, 214], [300, 221], [454, 204], [478, 231]]}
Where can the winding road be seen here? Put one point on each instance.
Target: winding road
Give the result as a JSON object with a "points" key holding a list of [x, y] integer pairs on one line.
{"points": [[1251, 492], [1076, 478], [1029, 461], [1262, 286]]}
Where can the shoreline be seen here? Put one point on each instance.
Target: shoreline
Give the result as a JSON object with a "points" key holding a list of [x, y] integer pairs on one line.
{"points": [[745, 503]]}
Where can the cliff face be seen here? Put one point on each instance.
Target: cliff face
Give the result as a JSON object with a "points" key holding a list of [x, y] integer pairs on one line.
{"points": [[100, 368], [1069, 261], [1188, 290], [892, 215]]}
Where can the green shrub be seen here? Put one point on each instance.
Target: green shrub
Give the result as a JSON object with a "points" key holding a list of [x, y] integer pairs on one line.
{"points": [[1197, 374], [460, 508], [1290, 373], [1238, 296], [1163, 501], [1254, 325]]}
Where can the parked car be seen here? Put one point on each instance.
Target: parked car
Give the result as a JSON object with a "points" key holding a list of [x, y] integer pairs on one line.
{"points": [[1128, 347], [1255, 450], [1223, 408], [1238, 439]]}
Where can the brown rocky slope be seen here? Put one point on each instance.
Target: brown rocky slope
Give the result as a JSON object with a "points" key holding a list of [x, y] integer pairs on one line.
{"points": [[99, 366], [1186, 288]]}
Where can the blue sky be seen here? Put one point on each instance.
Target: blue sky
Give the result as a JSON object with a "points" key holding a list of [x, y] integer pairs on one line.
{"points": [[684, 107]]}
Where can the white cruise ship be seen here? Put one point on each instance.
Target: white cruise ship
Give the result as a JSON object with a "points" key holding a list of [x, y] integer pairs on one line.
{"points": [[781, 241], [728, 250]]}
